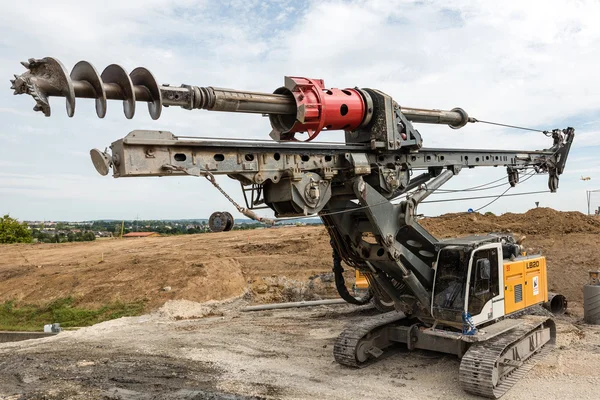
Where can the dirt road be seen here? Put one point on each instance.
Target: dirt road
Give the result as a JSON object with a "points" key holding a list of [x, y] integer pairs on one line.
{"points": [[285, 354]]}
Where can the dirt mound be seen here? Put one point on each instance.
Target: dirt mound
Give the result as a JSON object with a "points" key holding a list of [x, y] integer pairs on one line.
{"points": [[276, 289], [198, 268], [186, 309], [94, 274], [535, 221]]}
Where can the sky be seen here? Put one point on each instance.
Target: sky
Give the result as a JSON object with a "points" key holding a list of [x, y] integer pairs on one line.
{"points": [[527, 63]]}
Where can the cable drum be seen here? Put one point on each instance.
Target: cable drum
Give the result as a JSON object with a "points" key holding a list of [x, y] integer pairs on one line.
{"points": [[591, 304], [230, 221], [220, 221]]}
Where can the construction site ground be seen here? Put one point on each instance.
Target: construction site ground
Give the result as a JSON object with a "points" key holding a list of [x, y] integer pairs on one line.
{"points": [[195, 343]]}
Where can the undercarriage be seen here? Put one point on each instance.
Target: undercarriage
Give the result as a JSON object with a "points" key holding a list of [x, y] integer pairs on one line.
{"points": [[491, 362]]}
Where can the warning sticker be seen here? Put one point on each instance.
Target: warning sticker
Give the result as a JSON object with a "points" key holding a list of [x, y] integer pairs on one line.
{"points": [[536, 286]]}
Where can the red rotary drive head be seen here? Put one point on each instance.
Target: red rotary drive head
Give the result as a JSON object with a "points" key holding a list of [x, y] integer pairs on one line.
{"points": [[319, 108]]}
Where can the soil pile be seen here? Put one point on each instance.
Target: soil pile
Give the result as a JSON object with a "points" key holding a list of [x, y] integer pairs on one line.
{"points": [[535, 221], [213, 266]]}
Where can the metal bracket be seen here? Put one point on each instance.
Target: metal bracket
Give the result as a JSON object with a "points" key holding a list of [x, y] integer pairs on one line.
{"points": [[360, 162]]}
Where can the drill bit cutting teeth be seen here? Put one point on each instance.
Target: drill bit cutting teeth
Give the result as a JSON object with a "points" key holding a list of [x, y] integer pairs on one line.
{"points": [[48, 77], [35, 83]]}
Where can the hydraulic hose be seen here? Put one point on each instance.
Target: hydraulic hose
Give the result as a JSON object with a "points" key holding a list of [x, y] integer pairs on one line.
{"points": [[340, 283]]}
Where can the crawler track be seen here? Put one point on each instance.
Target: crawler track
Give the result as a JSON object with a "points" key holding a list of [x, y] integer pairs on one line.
{"points": [[479, 368], [346, 344]]}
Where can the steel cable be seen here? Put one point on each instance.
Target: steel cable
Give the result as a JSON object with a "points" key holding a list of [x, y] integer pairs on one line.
{"points": [[509, 126]]}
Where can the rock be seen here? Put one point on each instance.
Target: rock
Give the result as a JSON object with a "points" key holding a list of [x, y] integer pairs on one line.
{"points": [[261, 288], [166, 289]]}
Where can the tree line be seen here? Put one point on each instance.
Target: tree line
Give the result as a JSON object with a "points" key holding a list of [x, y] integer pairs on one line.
{"points": [[13, 231], [62, 237]]}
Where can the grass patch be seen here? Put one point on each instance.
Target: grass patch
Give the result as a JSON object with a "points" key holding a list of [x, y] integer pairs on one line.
{"points": [[27, 317]]}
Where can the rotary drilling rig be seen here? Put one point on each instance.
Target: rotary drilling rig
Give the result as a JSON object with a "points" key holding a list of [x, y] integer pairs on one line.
{"points": [[464, 296]]}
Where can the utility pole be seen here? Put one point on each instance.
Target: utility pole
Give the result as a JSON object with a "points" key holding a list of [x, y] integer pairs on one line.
{"points": [[589, 199], [588, 193]]}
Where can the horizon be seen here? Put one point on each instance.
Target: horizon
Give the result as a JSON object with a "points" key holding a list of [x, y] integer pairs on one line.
{"points": [[299, 219], [154, 219]]}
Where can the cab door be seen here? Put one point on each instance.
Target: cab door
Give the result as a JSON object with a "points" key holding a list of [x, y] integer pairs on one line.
{"points": [[483, 287]]}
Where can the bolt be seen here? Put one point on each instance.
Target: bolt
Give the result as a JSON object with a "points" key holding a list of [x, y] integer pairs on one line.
{"points": [[313, 192], [362, 186], [389, 239]]}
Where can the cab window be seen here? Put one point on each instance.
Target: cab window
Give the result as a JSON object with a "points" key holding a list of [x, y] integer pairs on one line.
{"points": [[483, 283], [450, 284]]}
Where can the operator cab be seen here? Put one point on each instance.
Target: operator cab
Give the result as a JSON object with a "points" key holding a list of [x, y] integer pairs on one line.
{"points": [[467, 279]]}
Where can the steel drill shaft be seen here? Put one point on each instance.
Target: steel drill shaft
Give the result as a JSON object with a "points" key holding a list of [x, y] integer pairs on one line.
{"points": [[84, 89], [217, 99], [456, 118], [208, 98]]}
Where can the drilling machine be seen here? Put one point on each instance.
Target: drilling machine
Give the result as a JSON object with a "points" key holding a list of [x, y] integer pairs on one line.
{"points": [[468, 297]]}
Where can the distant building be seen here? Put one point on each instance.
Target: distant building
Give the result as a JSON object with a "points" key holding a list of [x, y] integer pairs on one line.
{"points": [[141, 234]]}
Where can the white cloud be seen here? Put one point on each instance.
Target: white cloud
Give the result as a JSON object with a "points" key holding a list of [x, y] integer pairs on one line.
{"points": [[527, 63]]}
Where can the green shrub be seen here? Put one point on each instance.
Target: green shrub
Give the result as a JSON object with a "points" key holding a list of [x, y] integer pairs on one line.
{"points": [[28, 317]]}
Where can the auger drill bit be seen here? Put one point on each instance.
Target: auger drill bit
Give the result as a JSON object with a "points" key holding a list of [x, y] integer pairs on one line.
{"points": [[301, 105], [48, 77]]}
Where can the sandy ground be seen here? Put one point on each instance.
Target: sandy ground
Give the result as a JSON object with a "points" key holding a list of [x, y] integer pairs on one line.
{"points": [[284, 354]]}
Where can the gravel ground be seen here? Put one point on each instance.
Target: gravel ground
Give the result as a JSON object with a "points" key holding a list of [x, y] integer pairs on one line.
{"points": [[189, 350]]}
